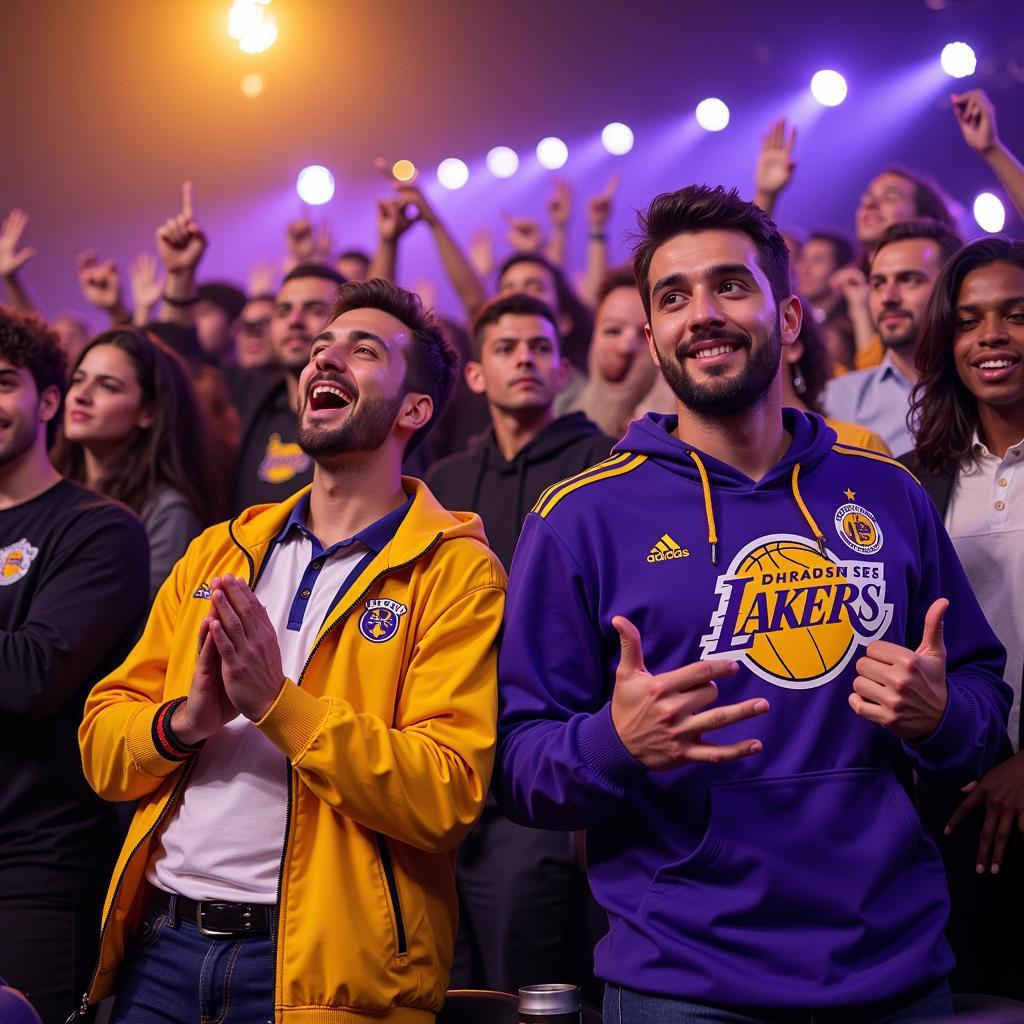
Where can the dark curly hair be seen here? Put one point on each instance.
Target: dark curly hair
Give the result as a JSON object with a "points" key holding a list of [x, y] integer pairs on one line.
{"points": [[26, 341]]}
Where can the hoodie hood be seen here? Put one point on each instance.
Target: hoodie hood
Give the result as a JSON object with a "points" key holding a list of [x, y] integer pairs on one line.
{"points": [[558, 435], [812, 440]]}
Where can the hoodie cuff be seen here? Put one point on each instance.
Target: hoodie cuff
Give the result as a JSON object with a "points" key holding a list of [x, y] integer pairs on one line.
{"points": [[954, 736], [294, 720], [604, 753]]}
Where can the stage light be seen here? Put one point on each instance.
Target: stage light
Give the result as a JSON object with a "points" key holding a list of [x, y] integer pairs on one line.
{"points": [[828, 88], [403, 170], [315, 185], [712, 114], [502, 162], [252, 25], [990, 213], [552, 153], [452, 173], [617, 138], [958, 60], [252, 85]]}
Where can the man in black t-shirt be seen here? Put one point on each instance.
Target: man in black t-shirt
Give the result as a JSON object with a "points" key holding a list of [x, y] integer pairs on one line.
{"points": [[73, 592], [270, 465]]}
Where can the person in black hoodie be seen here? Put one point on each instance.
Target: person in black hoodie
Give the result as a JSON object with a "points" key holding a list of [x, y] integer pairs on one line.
{"points": [[518, 366], [524, 904], [74, 582]]}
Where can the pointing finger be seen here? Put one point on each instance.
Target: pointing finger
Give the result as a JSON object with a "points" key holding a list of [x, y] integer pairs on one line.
{"points": [[187, 209]]}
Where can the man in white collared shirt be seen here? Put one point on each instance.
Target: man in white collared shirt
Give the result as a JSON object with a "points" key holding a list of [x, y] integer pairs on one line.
{"points": [[903, 271], [969, 449]]}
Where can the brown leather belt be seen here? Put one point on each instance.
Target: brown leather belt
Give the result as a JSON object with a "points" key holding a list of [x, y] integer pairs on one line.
{"points": [[216, 918]]}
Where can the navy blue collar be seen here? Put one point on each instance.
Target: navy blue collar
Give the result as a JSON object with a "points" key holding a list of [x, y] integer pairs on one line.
{"points": [[374, 537]]}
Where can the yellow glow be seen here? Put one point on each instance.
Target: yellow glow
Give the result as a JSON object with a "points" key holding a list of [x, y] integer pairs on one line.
{"points": [[404, 170], [252, 85], [252, 25]]}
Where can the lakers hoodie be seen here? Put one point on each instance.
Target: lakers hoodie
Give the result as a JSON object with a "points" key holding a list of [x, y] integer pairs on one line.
{"points": [[799, 877]]}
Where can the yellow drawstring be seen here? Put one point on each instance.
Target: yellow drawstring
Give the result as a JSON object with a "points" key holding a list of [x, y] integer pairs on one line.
{"points": [[818, 535], [709, 512]]}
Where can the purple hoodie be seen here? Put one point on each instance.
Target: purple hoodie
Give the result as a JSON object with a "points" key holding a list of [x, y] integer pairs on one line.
{"points": [[800, 877]]}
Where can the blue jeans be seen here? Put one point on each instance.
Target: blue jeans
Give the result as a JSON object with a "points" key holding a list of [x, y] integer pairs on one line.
{"points": [[177, 975], [624, 1006]]}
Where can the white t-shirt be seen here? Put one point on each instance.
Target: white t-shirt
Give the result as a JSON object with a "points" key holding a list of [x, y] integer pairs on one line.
{"points": [[225, 838]]}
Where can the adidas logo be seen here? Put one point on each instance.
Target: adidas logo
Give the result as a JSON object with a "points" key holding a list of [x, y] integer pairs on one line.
{"points": [[202, 591], [666, 549]]}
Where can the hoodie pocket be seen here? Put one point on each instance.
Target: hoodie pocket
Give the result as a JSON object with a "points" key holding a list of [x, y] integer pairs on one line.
{"points": [[799, 875]]}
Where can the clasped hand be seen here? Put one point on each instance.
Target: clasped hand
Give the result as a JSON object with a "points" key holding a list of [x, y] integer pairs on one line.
{"points": [[238, 670]]}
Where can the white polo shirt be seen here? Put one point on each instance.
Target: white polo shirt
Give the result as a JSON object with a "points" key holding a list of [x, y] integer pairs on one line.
{"points": [[985, 520], [225, 839]]}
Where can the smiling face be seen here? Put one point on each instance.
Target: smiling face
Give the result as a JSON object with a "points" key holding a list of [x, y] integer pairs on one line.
{"points": [[520, 367], [105, 406], [24, 413], [889, 199], [901, 281], [352, 392], [715, 329], [988, 347]]}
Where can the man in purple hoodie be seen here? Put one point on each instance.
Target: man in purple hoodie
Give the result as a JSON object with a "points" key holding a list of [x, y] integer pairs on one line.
{"points": [[734, 571]]}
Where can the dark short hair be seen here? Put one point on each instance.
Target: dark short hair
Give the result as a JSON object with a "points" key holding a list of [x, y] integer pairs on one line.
{"points": [[29, 343], [515, 304], [943, 411], [948, 240], [843, 250], [616, 277], [929, 200], [354, 254], [314, 270], [703, 208], [576, 342], [431, 362], [225, 296]]}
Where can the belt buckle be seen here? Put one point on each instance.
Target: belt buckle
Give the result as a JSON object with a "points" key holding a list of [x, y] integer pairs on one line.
{"points": [[210, 932]]}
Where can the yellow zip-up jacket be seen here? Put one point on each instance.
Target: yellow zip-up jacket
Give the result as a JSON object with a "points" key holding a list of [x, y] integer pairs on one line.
{"points": [[390, 744]]}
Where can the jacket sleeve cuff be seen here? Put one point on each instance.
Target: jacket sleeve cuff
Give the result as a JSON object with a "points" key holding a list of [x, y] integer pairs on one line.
{"points": [[146, 755], [294, 720], [605, 754], [953, 737]]}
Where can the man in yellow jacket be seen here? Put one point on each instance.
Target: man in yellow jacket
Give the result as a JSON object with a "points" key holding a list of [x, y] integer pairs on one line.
{"points": [[308, 721]]}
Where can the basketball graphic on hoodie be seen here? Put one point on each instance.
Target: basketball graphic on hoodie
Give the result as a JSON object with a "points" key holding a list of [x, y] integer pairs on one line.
{"points": [[794, 615]]}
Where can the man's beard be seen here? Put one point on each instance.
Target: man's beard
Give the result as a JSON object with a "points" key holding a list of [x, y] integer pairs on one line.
{"points": [[20, 441], [904, 339], [366, 429], [733, 392]]}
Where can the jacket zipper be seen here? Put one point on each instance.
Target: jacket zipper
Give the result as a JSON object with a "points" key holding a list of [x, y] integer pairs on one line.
{"points": [[83, 1008], [401, 946], [400, 926]]}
